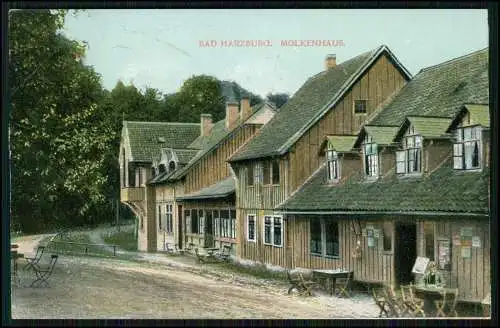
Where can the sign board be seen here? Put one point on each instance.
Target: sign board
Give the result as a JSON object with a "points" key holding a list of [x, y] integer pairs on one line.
{"points": [[420, 265], [476, 241]]}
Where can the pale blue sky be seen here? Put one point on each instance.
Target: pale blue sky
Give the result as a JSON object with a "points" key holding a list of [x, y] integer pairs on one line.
{"points": [[160, 48]]}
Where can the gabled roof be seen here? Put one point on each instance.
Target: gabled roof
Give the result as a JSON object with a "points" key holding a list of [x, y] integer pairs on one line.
{"points": [[147, 138], [445, 190], [440, 90], [309, 104], [480, 114], [185, 155], [340, 143], [427, 127], [220, 189], [206, 144], [382, 135]]}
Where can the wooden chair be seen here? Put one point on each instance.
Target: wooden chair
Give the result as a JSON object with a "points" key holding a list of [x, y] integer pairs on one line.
{"points": [[42, 274], [307, 285], [343, 286], [226, 253], [33, 261], [392, 301], [379, 299], [295, 283], [201, 258], [449, 300], [417, 303]]}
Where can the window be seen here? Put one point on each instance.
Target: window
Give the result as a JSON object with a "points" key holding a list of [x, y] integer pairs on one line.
{"points": [[194, 222], [171, 166], [201, 222], [153, 172], [371, 157], [360, 106], [123, 173], [141, 223], [267, 173], [273, 230], [187, 222], [276, 171], [251, 228], [168, 224], [467, 148], [258, 173], [159, 217], [162, 168], [429, 240], [325, 239], [225, 222], [250, 175], [409, 160], [333, 165], [232, 221], [387, 231], [216, 217]]}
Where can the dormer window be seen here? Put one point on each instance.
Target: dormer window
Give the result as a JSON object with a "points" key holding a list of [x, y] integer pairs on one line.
{"points": [[333, 165], [409, 160], [162, 168], [171, 166], [370, 154], [467, 148]]}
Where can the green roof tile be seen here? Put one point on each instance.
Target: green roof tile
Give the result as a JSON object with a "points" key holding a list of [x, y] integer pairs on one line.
{"points": [[341, 143], [440, 90], [220, 189], [147, 138], [382, 135], [430, 127], [480, 114]]}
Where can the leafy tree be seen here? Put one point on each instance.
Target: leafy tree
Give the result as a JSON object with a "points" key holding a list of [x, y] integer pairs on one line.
{"points": [[279, 99], [57, 132]]}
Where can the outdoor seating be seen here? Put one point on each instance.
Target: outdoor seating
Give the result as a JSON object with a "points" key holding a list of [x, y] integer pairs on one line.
{"points": [[307, 285], [447, 305], [392, 301], [295, 283], [43, 273], [201, 258], [417, 303], [226, 253], [33, 261], [381, 302], [343, 286], [300, 284]]}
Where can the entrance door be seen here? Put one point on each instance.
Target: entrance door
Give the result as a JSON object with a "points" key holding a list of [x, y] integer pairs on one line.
{"points": [[179, 224], [209, 234], [405, 252]]}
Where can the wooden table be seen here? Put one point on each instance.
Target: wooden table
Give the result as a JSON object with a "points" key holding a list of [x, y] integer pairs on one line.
{"points": [[211, 250], [331, 277], [429, 294]]}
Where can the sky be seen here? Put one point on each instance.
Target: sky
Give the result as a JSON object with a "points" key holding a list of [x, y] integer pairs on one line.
{"points": [[161, 48]]}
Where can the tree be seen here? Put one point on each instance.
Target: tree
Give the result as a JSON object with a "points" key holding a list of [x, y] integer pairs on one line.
{"points": [[57, 132], [279, 99]]}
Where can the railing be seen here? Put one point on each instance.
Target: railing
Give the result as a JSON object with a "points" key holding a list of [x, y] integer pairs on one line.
{"points": [[85, 248]]}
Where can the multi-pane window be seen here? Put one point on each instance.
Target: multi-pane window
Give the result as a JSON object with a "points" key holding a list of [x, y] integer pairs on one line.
{"points": [[467, 148], [160, 218], [273, 230], [370, 153], [217, 228], [333, 165], [225, 224], [271, 172], [360, 106], [168, 224], [258, 173], [232, 214], [251, 228], [201, 222], [267, 172], [409, 160], [250, 181], [324, 234], [387, 231], [194, 222], [429, 240], [276, 171]]}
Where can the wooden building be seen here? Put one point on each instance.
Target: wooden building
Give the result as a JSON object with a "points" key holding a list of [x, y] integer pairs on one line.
{"points": [[198, 197], [410, 180]]}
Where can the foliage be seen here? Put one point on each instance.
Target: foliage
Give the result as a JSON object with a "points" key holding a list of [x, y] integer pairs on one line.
{"points": [[124, 239], [279, 99]]}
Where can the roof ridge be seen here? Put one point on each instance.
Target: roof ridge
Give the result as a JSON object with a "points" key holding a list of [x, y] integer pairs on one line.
{"points": [[165, 123], [450, 61]]}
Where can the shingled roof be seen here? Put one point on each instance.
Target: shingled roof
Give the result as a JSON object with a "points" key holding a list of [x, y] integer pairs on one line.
{"points": [[445, 190], [205, 144], [147, 138], [309, 104], [440, 90], [220, 189]]}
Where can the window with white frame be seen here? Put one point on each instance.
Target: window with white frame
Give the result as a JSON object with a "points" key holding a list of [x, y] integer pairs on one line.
{"points": [[273, 230], [168, 222], [370, 154], [325, 239], [467, 148], [201, 222], [409, 160], [333, 165], [251, 228]]}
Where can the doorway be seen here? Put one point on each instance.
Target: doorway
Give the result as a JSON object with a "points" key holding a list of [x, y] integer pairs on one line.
{"points": [[209, 235], [405, 252], [179, 224]]}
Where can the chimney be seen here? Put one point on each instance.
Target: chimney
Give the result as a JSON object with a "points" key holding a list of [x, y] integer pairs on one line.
{"points": [[231, 115], [330, 61], [245, 109], [206, 124]]}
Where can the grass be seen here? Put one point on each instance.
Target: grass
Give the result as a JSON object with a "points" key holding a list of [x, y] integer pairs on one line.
{"points": [[257, 270], [123, 239], [74, 243]]}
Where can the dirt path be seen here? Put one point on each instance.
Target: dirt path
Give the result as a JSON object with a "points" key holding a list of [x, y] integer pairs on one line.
{"points": [[87, 288]]}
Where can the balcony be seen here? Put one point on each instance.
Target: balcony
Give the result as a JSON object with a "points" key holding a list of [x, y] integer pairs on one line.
{"points": [[132, 194]]}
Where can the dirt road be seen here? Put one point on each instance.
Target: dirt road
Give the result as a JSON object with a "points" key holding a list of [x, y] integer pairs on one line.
{"points": [[98, 288]]}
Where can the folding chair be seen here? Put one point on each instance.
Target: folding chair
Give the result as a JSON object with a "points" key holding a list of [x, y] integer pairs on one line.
{"points": [[199, 257], [295, 283], [342, 286], [447, 300], [43, 273], [380, 300], [417, 303], [392, 300], [33, 261], [226, 253], [307, 285]]}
